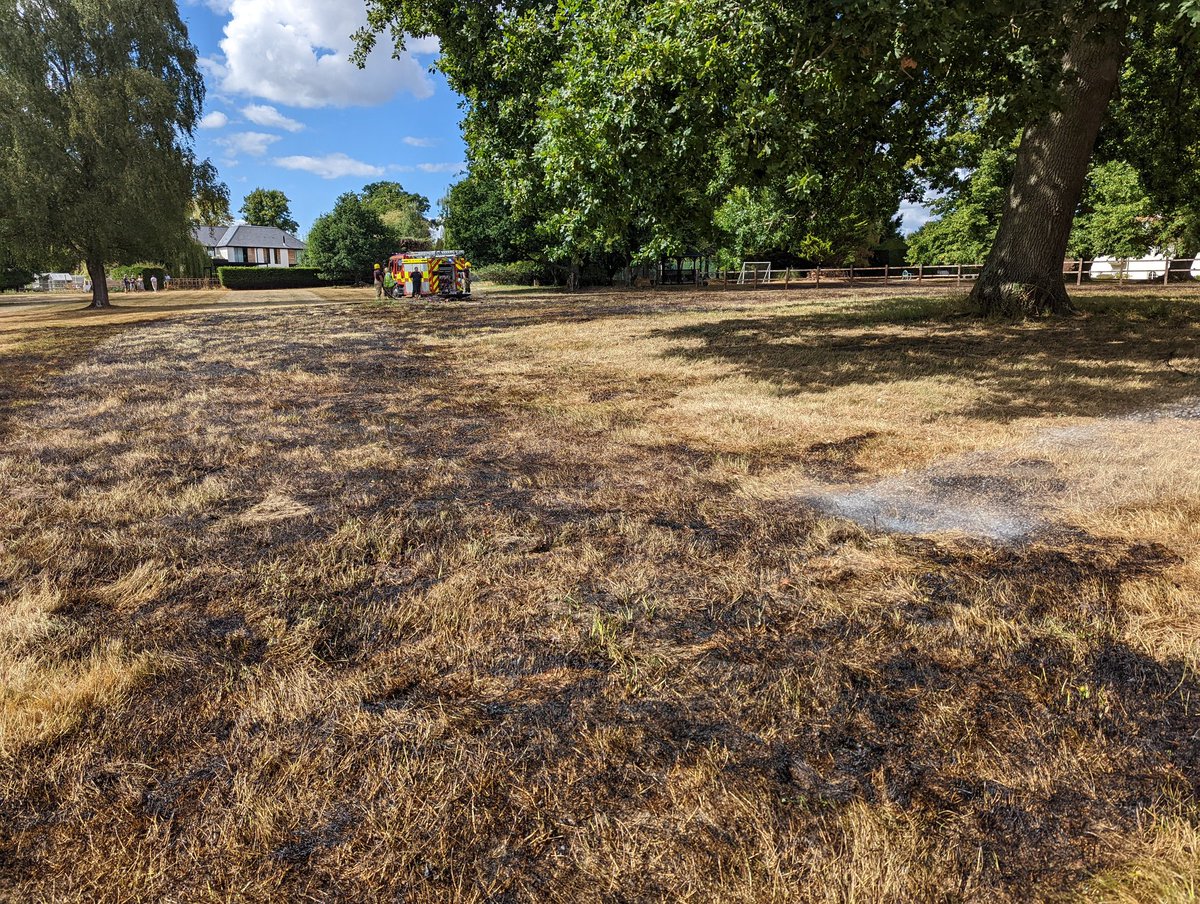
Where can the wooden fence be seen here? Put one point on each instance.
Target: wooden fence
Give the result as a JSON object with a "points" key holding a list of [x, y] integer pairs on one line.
{"points": [[1078, 272], [208, 282]]}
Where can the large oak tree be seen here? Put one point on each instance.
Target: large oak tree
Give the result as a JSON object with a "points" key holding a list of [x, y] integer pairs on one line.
{"points": [[608, 118], [98, 102]]}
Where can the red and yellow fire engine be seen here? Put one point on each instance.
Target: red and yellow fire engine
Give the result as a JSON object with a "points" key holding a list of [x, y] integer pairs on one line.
{"points": [[441, 274]]}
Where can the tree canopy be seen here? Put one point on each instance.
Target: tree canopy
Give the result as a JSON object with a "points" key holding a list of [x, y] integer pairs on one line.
{"points": [[480, 220], [967, 215], [210, 207], [98, 103], [404, 212], [627, 124], [269, 207], [345, 243]]}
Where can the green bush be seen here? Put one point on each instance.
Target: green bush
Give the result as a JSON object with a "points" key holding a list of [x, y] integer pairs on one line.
{"points": [[520, 273], [14, 278], [271, 278]]}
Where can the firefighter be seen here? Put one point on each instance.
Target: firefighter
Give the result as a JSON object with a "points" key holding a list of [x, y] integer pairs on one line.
{"points": [[389, 282], [378, 281]]}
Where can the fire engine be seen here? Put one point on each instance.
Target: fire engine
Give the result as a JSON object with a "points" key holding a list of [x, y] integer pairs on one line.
{"points": [[442, 274]]}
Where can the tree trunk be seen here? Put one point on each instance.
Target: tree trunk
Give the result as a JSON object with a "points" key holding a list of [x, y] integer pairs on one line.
{"points": [[1023, 274], [96, 273]]}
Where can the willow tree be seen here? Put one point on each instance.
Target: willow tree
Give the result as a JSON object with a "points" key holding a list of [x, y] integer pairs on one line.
{"points": [[98, 103], [620, 114]]}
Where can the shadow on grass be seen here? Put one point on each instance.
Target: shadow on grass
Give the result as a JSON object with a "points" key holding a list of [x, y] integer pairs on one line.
{"points": [[31, 360], [1115, 359]]}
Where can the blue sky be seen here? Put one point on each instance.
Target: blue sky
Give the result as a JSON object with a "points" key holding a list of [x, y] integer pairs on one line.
{"points": [[286, 109]]}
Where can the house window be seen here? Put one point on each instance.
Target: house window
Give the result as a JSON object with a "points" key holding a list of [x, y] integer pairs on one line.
{"points": [[291, 257]]}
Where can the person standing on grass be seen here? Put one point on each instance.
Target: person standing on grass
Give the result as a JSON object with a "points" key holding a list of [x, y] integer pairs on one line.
{"points": [[378, 282]]}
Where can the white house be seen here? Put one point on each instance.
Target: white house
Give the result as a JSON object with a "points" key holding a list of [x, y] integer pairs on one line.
{"points": [[264, 245]]}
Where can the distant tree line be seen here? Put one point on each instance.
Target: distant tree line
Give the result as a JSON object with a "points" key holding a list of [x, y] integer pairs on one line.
{"points": [[647, 128]]}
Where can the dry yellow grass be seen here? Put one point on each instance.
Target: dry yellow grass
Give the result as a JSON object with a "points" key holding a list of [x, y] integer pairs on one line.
{"points": [[519, 600]]}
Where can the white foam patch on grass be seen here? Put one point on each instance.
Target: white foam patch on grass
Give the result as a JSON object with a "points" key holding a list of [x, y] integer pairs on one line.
{"points": [[1011, 493]]}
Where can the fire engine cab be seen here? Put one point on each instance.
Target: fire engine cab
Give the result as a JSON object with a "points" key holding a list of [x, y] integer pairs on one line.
{"points": [[442, 274]]}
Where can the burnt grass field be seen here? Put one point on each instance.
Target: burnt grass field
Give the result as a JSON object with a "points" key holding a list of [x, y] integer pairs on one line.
{"points": [[522, 600]]}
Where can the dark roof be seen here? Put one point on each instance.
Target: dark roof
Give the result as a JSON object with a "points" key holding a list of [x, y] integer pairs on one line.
{"points": [[246, 237], [209, 236]]}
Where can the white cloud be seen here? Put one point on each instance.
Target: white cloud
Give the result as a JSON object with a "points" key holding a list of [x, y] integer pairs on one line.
{"points": [[253, 143], [266, 115], [441, 167], [331, 166], [214, 69], [414, 142], [296, 52], [214, 120], [220, 7]]}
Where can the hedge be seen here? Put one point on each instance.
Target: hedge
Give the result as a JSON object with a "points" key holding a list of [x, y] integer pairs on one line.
{"points": [[147, 272], [520, 273], [271, 278]]}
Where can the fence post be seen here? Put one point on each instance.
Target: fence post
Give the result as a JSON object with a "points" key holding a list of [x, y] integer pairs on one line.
{"points": [[1079, 273], [787, 279], [818, 276], [887, 269], [852, 274], [724, 278], [920, 272], [1167, 272], [958, 278]]}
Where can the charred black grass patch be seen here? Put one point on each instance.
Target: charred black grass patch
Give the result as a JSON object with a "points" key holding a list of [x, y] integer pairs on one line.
{"points": [[378, 605]]}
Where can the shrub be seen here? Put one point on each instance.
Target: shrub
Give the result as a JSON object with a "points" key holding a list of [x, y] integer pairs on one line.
{"points": [[520, 273], [14, 278], [272, 278], [147, 272]]}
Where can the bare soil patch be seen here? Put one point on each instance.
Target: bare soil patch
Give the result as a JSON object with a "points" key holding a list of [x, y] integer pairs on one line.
{"points": [[513, 601]]}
